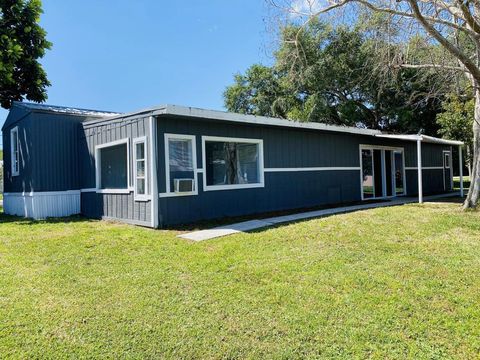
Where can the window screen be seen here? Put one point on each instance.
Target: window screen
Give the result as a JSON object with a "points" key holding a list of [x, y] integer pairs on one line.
{"points": [[114, 170], [229, 163]]}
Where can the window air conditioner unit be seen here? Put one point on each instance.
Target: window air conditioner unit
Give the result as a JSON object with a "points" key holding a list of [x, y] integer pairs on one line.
{"points": [[184, 185]]}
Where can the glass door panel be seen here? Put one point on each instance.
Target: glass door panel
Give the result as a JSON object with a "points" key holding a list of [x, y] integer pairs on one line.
{"points": [[399, 180], [367, 174], [377, 173], [389, 172]]}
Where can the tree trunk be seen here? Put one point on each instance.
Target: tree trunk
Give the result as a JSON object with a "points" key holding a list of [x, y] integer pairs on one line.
{"points": [[471, 201], [469, 160]]}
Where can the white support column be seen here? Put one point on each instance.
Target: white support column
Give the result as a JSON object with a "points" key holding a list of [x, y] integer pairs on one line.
{"points": [[153, 171], [419, 167], [460, 164]]}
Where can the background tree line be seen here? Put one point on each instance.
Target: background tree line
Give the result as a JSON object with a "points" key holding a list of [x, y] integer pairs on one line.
{"points": [[337, 75]]}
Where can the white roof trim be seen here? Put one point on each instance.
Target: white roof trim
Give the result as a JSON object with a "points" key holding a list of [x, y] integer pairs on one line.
{"points": [[234, 117], [423, 138]]}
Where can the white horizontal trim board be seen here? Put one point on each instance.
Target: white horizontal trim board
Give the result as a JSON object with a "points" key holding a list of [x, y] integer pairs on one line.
{"points": [[114, 191], [40, 205], [311, 169], [88, 190], [108, 191], [425, 168]]}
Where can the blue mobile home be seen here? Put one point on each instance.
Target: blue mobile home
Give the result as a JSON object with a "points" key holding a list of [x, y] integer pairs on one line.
{"points": [[170, 165]]}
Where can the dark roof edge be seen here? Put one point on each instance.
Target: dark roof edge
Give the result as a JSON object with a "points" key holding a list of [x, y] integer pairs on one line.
{"points": [[70, 110]]}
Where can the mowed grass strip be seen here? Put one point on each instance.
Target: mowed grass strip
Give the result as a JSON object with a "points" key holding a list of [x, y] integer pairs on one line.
{"points": [[400, 282]]}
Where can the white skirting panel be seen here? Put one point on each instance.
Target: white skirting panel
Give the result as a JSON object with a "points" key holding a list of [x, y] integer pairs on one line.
{"points": [[40, 205]]}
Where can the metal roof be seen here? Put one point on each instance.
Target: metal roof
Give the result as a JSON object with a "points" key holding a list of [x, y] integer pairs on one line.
{"points": [[64, 109], [217, 115], [192, 112], [176, 110]]}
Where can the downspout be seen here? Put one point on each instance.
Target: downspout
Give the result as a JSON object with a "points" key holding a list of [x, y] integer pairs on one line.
{"points": [[153, 171], [460, 164], [419, 167]]}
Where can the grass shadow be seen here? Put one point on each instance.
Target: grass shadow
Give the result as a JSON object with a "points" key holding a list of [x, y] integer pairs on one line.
{"points": [[209, 224]]}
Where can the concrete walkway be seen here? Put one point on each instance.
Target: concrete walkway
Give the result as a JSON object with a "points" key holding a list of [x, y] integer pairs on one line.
{"points": [[258, 224]]}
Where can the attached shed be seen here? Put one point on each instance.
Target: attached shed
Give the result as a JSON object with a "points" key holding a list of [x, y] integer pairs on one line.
{"points": [[170, 165]]}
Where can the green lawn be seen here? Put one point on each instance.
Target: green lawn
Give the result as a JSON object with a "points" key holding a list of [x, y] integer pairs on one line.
{"points": [[400, 282]]}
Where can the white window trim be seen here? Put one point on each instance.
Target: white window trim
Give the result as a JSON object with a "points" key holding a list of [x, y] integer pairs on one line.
{"points": [[169, 192], [98, 172], [146, 196], [449, 165], [449, 168], [261, 169], [15, 172], [379, 147]]}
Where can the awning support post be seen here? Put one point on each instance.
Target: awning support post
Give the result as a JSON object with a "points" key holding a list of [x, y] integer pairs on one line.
{"points": [[460, 164], [419, 167]]}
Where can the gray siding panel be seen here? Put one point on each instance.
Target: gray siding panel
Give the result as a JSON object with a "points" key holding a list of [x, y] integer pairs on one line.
{"points": [[113, 206], [116, 206]]}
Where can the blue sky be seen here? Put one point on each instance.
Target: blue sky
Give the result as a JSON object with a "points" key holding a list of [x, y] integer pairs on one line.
{"points": [[125, 55]]}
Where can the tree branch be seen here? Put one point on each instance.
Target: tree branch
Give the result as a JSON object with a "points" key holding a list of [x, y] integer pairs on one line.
{"points": [[454, 50], [474, 25], [370, 6], [433, 66]]}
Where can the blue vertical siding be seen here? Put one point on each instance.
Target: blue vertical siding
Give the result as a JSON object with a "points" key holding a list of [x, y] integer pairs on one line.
{"points": [[284, 148], [24, 181], [58, 153]]}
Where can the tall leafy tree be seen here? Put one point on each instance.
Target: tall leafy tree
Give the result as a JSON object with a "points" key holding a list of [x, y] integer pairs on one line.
{"points": [[22, 43], [331, 75], [255, 92], [452, 25], [456, 122]]}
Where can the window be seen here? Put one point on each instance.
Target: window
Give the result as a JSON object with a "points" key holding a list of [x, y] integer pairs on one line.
{"points": [[232, 163], [446, 160], [140, 166], [180, 164], [15, 152], [112, 166]]}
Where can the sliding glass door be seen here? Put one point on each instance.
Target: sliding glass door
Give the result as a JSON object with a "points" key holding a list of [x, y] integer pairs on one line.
{"points": [[382, 172]]}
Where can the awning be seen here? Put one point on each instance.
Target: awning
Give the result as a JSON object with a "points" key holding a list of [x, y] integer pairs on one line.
{"points": [[422, 138]]}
